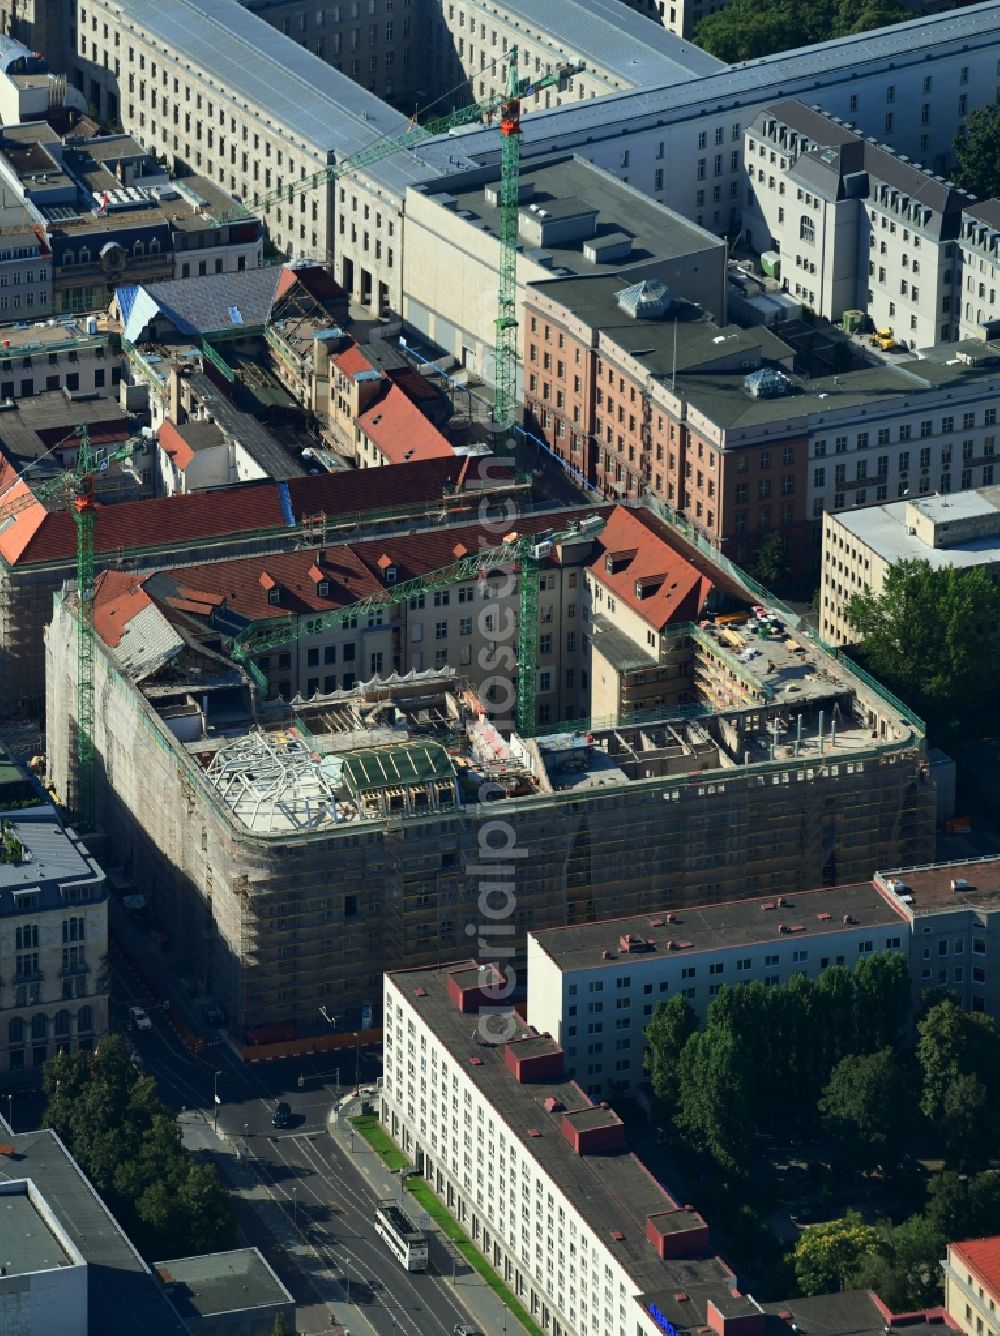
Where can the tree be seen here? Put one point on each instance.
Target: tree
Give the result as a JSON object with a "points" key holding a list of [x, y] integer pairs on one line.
{"points": [[959, 1056], [863, 1104], [129, 1145], [881, 999], [771, 565], [932, 636], [672, 1025], [827, 1256], [713, 1108], [280, 1327], [905, 1271], [750, 28], [978, 151]]}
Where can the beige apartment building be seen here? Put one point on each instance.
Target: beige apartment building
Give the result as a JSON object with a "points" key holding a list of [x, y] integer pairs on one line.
{"points": [[972, 1286], [960, 529], [679, 16], [574, 219]]}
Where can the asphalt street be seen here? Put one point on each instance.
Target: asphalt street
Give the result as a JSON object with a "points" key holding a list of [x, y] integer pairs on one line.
{"points": [[299, 1195]]}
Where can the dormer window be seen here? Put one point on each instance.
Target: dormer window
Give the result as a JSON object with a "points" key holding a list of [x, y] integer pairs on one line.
{"points": [[322, 588], [390, 575], [274, 595]]}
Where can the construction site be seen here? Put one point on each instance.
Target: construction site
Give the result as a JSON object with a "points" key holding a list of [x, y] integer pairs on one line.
{"points": [[292, 851]]}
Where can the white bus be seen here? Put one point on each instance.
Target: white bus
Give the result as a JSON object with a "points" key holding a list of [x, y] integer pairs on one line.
{"points": [[406, 1243]]}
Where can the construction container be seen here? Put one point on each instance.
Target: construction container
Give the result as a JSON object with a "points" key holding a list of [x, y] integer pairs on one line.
{"points": [[853, 321], [770, 262]]}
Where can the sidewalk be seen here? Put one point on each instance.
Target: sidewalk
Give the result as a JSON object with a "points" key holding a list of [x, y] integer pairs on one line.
{"points": [[471, 1291]]}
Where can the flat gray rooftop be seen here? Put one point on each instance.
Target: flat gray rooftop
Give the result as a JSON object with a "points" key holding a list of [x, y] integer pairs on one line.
{"points": [[593, 297], [54, 859], [794, 73], [26, 1242], [610, 37], [885, 529], [717, 927], [218, 1283], [122, 1295], [929, 888], [568, 185], [266, 70]]}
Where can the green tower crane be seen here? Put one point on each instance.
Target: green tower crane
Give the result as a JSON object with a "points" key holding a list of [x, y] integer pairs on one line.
{"points": [[508, 105], [527, 551], [74, 489]]}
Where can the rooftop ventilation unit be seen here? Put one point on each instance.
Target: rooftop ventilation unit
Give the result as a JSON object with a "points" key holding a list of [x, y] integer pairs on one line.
{"points": [[767, 384], [648, 300]]}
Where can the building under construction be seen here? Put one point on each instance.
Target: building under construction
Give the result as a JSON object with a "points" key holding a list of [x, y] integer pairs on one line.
{"points": [[295, 851]]}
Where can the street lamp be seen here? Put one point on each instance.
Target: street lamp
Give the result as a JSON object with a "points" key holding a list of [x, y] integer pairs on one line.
{"points": [[215, 1101], [357, 1062], [295, 1205], [504, 1319]]}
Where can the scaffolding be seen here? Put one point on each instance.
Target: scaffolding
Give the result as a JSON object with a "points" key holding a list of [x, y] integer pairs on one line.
{"points": [[274, 782]]}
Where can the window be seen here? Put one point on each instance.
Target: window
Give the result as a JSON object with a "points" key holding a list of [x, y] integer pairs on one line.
{"points": [[807, 229]]}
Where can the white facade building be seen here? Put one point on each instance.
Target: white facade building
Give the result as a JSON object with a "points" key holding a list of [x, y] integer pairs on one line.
{"points": [[53, 942], [856, 226], [537, 1174], [594, 987]]}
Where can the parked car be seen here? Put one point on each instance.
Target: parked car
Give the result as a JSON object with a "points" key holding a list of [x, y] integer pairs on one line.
{"points": [[282, 1115], [138, 1019], [463, 1329]]}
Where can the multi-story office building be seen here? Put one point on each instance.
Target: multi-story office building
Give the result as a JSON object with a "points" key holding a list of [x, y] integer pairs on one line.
{"points": [[976, 302], [643, 396], [538, 1175], [218, 91], [857, 227], [593, 986], [53, 941], [574, 219], [960, 529], [972, 1286], [953, 914], [668, 112], [794, 773], [25, 266]]}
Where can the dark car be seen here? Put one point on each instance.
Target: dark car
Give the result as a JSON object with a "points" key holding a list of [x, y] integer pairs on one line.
{"points": [[282, 1115]]}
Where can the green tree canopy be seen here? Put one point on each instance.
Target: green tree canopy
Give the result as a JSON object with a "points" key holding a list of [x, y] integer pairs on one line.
{"points": [[933, 636], [750, 28], [713, 1105], [129, 1145], [978, 152], [959, 1057], [827, 1256], [865, 1104], [672, 1025]]}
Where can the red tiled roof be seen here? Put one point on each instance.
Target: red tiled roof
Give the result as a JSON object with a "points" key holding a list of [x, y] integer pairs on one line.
{"points": [[982, 1256], [174, 444], [17, 533], [118, 597], [676, 591], [400, 431], [412, 383], [352, 360], [418, 554], [166, 522], [243, 584]]}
